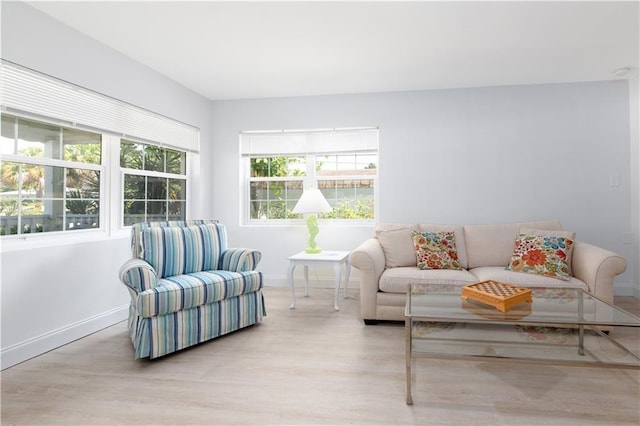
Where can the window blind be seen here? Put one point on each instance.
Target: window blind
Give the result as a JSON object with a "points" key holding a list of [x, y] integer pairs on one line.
{"points": [[27, 91], [255, 144]]}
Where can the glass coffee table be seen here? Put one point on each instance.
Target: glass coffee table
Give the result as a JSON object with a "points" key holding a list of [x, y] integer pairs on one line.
{"points": [[560, 326]]}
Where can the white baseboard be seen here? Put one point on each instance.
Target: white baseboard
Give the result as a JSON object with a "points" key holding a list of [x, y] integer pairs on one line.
{"points": [[275, 281], [314, 282], [626, 289], [33, 347]]}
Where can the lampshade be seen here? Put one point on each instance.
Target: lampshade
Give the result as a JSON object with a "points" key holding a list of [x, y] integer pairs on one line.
{"points": [[312, 201]]}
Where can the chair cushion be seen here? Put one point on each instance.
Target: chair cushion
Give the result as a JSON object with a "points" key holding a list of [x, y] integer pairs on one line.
{"points": [[137, 228], [183, 250], [181, 292]]}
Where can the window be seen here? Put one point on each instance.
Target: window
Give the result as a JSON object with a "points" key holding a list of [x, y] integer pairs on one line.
{"points": [[341, 163], [275, 185], [347, 182], [73, 159], [51, 177], [154, 183]]}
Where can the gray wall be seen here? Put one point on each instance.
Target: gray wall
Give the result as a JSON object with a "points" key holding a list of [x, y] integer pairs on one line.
{"points": [[483, 155], [54, 294]]}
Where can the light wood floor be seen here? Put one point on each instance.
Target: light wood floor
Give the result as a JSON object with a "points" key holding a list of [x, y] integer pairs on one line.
{"points": [[310, 365]]}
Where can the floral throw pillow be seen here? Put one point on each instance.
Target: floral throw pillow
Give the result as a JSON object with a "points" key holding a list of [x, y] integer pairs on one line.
{"points": [[436, 250], [542, 255]]}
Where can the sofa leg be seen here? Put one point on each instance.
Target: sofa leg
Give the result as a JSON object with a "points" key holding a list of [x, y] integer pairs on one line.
{"points": [[370, 322]]}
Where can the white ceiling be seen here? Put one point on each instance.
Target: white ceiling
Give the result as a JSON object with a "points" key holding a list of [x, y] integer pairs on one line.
{"points": [[232, 50]]}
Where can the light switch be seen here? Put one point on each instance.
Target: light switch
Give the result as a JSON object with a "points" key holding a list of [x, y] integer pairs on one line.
{"points": [[614, 179]]}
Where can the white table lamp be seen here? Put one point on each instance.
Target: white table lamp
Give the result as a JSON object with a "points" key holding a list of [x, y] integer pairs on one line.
{"points": [[311, 202]]}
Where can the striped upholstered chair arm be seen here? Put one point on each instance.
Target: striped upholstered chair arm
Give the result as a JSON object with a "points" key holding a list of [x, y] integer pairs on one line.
{"points": [[138, 275], [240, 259]]}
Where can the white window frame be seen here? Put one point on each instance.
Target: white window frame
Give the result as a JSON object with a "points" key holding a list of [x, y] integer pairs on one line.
{"points": [[35, 96], [111, 176], [122, 171], [288, 146], [44, 161]]}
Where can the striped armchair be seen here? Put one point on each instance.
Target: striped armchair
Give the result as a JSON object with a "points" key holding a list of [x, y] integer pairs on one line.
{"points": [[187, 287]]}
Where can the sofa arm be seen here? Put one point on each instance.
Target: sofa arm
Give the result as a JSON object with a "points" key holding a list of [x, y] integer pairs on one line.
{"points": [[369, 259], [138, 275], [240, 259], [597, 267]]}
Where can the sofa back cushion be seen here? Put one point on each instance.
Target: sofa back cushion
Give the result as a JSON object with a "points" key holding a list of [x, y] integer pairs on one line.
{"points": [[397, 244], [492, 245], [399, 249], [175, 250]]}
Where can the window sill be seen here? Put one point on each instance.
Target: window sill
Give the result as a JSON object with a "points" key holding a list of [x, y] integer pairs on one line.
{"points": [[322, 223], [29, 242]]}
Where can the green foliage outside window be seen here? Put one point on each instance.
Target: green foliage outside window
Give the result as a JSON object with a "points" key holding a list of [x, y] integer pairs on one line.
{"points": [[152, 197], [350, 209], [275, 196], [42, 194], [272, 198]]}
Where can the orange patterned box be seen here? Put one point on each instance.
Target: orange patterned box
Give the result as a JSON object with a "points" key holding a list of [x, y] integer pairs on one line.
{"points": [[499, 295]]}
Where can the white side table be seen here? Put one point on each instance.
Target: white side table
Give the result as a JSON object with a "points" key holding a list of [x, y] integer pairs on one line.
{"points": [[325, 258]]}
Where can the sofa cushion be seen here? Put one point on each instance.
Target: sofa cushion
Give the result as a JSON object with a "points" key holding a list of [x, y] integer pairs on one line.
{"points": [[498, 273], [458, 230], [553, 233], [492, 245], [542, 255], [397, 280], [396, 243], [182, 250], [435, 250], [180, 292]]}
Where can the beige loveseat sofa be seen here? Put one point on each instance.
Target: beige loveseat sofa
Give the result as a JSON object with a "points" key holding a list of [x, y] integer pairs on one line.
{"points": [[387, 264]]}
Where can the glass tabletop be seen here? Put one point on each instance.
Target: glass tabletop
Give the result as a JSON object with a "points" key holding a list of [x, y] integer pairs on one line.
{"points": [[558, 306]]}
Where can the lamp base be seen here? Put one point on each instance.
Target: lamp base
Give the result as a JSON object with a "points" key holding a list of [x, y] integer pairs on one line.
{"points": [[312, 224]]}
